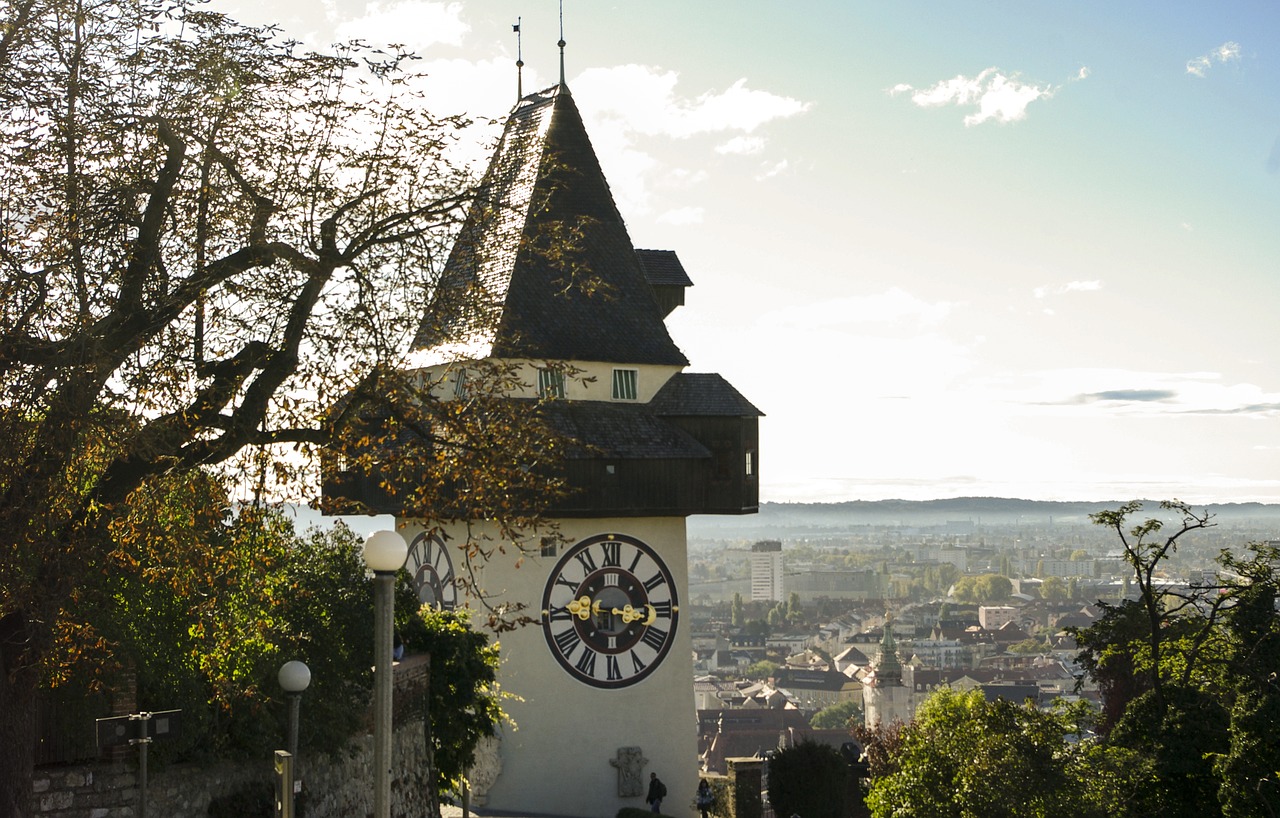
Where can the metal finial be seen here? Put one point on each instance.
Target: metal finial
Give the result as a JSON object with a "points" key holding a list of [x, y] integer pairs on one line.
{"points": [[519, 62], [561, 43]]}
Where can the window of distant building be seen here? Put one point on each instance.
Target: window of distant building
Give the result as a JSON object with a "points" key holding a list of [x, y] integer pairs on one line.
{"points": [[548, 547], [624, 384], [460, 384], [550, 383]]}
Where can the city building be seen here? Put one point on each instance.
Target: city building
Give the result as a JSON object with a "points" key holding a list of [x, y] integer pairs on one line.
{"points": [[766, 572]]}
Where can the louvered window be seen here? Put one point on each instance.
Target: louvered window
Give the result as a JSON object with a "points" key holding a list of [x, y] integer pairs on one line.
{"points": [[624, 384], [460, 384], [550, 383]]}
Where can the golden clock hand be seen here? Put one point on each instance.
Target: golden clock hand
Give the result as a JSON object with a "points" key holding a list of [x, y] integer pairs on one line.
{"points": [[628, 614], [580, 607]]}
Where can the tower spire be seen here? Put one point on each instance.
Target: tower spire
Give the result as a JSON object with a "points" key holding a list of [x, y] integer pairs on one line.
{"points": [[519, 62], [561, 44]]}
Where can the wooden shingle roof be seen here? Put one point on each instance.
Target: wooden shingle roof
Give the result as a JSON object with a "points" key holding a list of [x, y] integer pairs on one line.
{"points": [[543, 267], [624, 431], [701, 394], [662, 268]]}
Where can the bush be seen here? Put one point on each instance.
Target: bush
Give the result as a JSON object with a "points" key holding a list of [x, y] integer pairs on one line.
{"points": [[809, 779]]}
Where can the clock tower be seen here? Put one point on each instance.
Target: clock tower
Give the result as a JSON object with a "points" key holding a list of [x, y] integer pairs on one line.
{"points": [[604, 679]]}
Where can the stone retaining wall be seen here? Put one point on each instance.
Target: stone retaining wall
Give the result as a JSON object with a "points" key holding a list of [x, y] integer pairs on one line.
{"points": [[337, 786]]}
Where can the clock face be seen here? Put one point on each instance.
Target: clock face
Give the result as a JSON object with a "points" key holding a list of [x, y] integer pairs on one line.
{"points": [[432, 570], [609, 611]]}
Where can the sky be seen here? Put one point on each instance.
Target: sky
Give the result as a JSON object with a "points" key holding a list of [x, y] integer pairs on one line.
{"points": [[1021, 249]]}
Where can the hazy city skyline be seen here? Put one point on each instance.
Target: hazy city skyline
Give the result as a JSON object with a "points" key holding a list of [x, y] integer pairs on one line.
{"points": [[1024, 250]]}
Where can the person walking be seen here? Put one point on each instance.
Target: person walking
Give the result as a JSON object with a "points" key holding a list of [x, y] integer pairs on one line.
{"points": [[657, 791], [705, 797]]}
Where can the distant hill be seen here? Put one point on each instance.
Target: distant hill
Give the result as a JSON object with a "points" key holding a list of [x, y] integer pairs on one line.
{"points": [[974, 511]]}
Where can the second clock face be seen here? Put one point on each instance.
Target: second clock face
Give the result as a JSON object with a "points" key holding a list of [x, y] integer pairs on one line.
{"points": [[609, 611], [432, 570]]}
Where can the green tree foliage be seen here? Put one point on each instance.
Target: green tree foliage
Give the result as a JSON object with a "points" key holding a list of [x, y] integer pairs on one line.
{"points": [[1180, 733], [809, 779], [965, 756], [737, 616], [838, 716], [1188, 675], [1111, 654], [1028, 647], [938, 579], [214, 246], [206, 604], [1145, 549], [1053, 589], [983, 589], [463, 702], [764, 669], [1249, 769]]}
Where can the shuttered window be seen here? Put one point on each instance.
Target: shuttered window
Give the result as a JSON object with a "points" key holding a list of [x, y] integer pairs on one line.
{"points": [[624, 384], [550, 383]]}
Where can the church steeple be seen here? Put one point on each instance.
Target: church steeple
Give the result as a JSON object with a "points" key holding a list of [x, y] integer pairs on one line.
{"points": [[888, 668]]}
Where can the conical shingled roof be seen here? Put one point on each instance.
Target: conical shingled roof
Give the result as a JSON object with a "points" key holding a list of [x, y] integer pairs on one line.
{"points": [[544, 267]]}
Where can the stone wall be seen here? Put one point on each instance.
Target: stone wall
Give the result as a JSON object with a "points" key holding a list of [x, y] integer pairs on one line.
{"points": [[337, 786]]}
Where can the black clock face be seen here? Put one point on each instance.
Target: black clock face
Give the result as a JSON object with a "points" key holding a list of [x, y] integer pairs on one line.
{"points": [[432, 570], [609, 611]]}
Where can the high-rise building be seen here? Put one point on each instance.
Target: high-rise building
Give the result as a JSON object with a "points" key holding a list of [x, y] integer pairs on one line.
{"points": [[766, 572]]}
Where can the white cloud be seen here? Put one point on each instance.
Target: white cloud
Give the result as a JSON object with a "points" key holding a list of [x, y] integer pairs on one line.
{"points": [[741, 146], [996, 96], [773, 170], [645, 100], [1069, 287], [1130, 392], [1225, 53], [417, 24], [626, 105]]}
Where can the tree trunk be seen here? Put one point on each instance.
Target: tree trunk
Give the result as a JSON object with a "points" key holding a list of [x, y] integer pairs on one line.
{"points": [[17, 719]]}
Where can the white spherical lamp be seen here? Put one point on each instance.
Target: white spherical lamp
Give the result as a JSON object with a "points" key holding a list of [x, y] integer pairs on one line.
{"points": [[385, 551], [294, 676]]}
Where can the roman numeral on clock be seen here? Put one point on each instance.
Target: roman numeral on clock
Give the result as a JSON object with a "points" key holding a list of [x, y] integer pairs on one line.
{"points": [[612, 553], [654, 637], [588, 562], [654, 581], [567, 641]]}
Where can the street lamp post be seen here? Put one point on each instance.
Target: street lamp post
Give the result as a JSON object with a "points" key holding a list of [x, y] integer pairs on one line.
{"points": [[294, 676], [384, 553]]}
